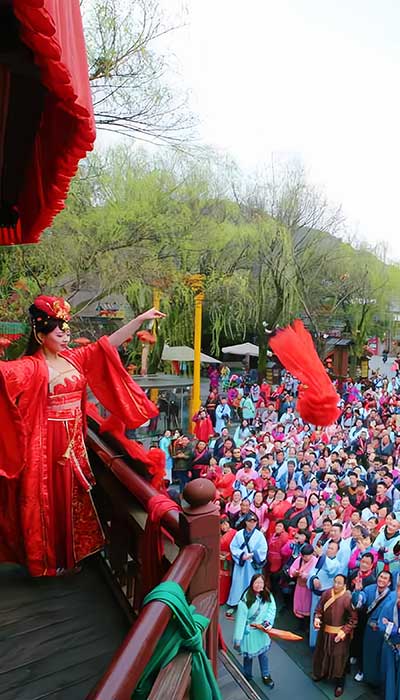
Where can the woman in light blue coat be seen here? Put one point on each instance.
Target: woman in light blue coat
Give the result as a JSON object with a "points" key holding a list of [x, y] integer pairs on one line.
{"points": [[165, 446], [256, 607], [249, 553]]}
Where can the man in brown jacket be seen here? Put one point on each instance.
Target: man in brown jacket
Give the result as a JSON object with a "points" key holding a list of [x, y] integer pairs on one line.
{"points": [[335, 620]]}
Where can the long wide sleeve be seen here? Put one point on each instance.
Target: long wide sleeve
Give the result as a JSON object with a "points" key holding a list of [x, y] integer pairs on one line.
{"points": [[15, 379], [351, 616], [237, 549], [240, 621], [111, 383]]}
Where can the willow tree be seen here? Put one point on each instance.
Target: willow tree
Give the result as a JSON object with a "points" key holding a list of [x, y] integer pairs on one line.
{"points": [[369, 301]]}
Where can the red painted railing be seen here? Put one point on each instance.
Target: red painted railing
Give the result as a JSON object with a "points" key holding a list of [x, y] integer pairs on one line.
{"points": [[195, 532], [135, 653]]}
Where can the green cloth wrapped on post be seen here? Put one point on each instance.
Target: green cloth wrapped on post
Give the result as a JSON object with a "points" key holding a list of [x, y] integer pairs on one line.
{"points": [[184, 633]]}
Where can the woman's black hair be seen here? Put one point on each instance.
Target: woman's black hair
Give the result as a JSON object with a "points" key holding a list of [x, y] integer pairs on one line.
{"points": [[368, 555], [306, 549], [249, 596], [222, 505], [40, 323]]}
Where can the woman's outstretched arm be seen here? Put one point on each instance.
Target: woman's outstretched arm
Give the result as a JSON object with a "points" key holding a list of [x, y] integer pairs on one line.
{"points": [[130, 328]]}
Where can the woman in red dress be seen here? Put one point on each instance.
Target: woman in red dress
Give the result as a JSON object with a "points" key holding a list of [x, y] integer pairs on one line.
{"points": [[48, 522], [225, 572], [277, 510]]}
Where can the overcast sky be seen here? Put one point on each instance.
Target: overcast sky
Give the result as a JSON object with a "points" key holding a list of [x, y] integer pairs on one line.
{"points": [[317, 79]]}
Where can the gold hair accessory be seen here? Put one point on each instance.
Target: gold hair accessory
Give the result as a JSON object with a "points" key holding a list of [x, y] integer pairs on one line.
{"points": [[35, 335], [62, 309]]}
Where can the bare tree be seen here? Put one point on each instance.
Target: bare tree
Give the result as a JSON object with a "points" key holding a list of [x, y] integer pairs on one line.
{"points": [[128, 72]]}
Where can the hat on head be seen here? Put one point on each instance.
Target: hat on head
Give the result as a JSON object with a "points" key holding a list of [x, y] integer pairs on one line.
{"points": [[55, 307], [251, 516], [306, 549]]}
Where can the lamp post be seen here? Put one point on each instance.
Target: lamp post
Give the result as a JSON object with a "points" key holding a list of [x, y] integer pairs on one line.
{"points": [[196, 284]]}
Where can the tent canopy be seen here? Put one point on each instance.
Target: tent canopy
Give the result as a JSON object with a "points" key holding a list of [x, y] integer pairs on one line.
{"points": [[46, 113], [242, 349], [182, 353]]}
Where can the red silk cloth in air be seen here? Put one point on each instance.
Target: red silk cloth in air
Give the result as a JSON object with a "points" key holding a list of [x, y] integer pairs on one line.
{"points": [[317, 400], [52, 30], [153, 459]]}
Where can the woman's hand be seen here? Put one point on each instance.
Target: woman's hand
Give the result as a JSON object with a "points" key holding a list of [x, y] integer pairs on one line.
{"points": [[151, 314], [129, 329]]}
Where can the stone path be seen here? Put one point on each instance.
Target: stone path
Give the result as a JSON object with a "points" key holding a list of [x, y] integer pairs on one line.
{"points": [[290, 664]]}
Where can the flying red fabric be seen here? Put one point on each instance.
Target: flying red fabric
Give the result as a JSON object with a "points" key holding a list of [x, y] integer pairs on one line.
{"points": [[318, 401], [154, 459], [64, 124]]}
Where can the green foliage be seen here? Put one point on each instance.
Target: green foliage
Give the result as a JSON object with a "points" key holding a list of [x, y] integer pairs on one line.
{"points": [[136, 224]]}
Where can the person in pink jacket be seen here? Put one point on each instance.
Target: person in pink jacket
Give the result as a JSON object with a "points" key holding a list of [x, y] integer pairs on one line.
{"points": [[300, 571], [261, 510]]}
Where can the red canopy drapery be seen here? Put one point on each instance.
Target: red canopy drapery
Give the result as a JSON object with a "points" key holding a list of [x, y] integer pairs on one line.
{"points": [[45, 102]]}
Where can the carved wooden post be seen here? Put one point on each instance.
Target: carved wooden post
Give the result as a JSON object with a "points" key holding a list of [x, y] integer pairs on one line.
{"points": [[200, 524]]}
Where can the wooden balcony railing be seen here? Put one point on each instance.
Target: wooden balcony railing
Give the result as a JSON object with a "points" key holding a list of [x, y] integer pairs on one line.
{"points": [[135, 653], [191, 559]]}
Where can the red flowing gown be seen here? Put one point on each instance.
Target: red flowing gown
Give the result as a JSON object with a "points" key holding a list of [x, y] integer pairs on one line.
{"points": [[225, 570], [47, 517]]}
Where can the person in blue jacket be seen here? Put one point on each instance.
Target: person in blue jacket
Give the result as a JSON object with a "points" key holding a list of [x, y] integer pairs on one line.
{"points": [[390, 663], [369, 603]]}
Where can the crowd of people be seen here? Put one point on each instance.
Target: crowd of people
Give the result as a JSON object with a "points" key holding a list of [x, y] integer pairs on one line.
{"points": [[310, 518]]}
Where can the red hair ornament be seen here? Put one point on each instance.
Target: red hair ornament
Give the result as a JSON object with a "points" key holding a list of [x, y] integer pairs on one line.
{"points": [[55, 307]]}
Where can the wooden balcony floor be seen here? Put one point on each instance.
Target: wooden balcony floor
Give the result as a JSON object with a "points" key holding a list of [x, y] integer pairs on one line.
{"points": [[57, 635]]}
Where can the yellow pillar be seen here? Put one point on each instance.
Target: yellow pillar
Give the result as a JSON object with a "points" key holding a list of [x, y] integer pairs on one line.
{"points": [[198, 313], [195, 282], [156, 304]]}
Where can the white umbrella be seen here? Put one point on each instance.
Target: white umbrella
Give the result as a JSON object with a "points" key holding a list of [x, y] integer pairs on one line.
{"points": [[182, 353], [242, 349]]}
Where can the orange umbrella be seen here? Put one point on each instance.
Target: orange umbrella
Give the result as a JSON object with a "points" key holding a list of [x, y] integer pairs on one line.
{"points": [[279, 634]]}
